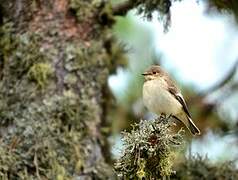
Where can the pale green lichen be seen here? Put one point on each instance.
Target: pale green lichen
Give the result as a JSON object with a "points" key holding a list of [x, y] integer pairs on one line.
{"points": [[148, 7], [140, 173], [19, 52], [81, 9], [51, 132], [198, 167], [40, 73], [149, 149]]}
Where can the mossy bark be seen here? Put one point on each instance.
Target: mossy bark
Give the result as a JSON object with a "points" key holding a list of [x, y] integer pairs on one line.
{"points": [[55, 58]]}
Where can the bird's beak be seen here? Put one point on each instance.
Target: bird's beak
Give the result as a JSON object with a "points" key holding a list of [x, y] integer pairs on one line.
{"points": [[144, 74]]}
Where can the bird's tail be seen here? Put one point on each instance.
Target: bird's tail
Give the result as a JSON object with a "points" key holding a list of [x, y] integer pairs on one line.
{"points": [[192, 127], [188, 122]]}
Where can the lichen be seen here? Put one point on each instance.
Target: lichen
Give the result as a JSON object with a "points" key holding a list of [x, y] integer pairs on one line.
{"points": [[146, 9], [52, 98], [49, 135], [149, 149], [19, 52], [40, 73], [82, 9], [198, 167]]}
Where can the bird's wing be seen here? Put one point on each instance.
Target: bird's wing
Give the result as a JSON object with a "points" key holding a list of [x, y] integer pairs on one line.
{"points": [[174, 91]]}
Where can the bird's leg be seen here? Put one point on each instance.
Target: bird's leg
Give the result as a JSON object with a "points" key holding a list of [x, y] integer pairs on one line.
{"points": [[165, 118], [162, 116], [169, 116], [154, 129]]}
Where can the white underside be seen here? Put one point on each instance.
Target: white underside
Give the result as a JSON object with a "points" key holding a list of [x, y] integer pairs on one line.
{"points": [[158, 100]]}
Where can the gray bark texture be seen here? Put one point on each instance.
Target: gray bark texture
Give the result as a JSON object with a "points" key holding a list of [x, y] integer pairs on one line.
{"points": [[55, 58]]}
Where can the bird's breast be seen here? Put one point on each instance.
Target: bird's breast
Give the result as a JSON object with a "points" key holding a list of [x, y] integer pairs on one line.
{"points": [[158, 99]]}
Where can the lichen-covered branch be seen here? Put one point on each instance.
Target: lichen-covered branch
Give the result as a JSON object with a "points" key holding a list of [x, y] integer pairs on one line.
{"points": [[146, 9], [122, 8], [149, 150]]}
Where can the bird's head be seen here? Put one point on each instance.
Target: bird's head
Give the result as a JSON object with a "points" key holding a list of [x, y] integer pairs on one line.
{"points": [[154, 72]]}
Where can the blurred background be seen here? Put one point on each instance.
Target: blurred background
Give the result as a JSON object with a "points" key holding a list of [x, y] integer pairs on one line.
{"points": [[199, 50]]}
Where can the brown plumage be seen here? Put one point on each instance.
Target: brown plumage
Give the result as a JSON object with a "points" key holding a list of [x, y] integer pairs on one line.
{"points": [[161, 96]]}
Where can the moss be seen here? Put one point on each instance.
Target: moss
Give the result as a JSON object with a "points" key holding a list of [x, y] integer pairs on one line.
{"points": [[86, 8], [149, 150], [96, 16], [6, 44], [140, 173], [19, 52], [146, 8], [199, 167], [48, 129], [106, 16], [81, 9], [54, 134], [117, 53], [40, 73]]}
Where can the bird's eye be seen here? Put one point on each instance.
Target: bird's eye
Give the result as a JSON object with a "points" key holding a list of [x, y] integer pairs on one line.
{"points": [[154, 72]]}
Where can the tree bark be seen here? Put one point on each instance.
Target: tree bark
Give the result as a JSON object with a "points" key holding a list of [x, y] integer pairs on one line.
{"points": [[55, 57]]}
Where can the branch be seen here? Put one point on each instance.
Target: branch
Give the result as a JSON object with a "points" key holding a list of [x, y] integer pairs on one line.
{"points": [[149, 149], [201, 96], [208, 107], [122, 8], [229, 92], [223, 82]]}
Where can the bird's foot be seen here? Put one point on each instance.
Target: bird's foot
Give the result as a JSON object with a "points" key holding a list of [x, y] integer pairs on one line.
{"points": [[162, 116], [170, 116]]}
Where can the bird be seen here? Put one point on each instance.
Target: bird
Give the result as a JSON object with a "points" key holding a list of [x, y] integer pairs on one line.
{"points": [[162, 97]]}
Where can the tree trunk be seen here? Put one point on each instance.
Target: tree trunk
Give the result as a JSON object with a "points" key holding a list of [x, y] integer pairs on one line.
{"points": [[55, 60]]}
